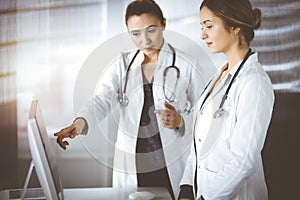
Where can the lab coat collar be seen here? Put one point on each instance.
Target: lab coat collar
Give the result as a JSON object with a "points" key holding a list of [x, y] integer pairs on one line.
{"points": [[252, 58], [164, 52], [163, 57], [224, 82], [140, 58]]}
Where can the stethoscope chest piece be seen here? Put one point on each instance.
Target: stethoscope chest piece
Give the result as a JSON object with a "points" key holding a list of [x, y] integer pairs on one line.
{"points": [[219, 113], [123, 100]]}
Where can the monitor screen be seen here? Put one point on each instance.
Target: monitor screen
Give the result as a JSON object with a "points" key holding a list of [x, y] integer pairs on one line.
{"points": [[42, 154]]}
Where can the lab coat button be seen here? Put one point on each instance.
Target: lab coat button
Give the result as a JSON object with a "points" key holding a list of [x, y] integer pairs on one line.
{"points": [[199, 140]]}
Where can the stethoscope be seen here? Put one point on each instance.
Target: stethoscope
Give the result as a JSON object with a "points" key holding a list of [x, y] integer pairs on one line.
{"points": [[219, 113], [123, 99]]}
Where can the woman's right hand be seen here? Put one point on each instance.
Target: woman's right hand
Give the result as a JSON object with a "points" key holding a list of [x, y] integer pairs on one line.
{"points": [[69, 132]]}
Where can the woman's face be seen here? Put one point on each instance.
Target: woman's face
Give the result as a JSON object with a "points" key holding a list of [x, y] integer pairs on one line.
{"points": [[217, 37], [146, 32]]}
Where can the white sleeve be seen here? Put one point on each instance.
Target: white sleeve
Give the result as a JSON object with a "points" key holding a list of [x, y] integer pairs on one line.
{"points": [[190, 167], [105, 97]]}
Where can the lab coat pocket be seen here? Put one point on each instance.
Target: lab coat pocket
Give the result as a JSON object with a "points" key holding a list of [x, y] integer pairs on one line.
{"points": [[210, 171], [207, 176]]}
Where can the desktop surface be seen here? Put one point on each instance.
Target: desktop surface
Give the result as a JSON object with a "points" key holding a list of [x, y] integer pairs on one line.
{"points": [[112, 193], [105, 193]]}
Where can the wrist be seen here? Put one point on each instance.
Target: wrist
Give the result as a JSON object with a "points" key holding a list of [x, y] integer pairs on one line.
{"points": [[181, 122], [79, 124]]}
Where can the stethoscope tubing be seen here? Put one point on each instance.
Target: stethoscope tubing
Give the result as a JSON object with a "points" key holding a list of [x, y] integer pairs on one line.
{"points": [[127, 71], [122, 95], [221, 110]]}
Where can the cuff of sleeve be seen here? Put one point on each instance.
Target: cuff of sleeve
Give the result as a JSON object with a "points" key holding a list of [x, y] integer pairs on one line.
{"points": [[86, 127], [186, 191]]}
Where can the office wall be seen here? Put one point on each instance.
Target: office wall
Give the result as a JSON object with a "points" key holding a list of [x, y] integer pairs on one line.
{"points": [[8, 102], [281, 151]]}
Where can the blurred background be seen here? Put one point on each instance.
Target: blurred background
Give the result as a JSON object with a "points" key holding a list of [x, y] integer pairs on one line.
{"points": [[43, 44]]}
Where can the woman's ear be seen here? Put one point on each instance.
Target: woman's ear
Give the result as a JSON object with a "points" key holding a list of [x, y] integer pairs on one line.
{"points": [[164, 24], [235, 30]]}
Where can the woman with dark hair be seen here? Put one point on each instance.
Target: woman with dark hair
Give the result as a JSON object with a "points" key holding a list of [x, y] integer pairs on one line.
{"points": [[153, 137], [234, 111]]}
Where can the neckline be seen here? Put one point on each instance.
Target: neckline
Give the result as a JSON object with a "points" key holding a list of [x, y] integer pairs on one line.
{"points": [[145, 80]]}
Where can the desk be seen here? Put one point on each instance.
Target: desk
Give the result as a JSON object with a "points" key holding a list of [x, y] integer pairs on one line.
{"points": [[112, 193], [101, 193]]}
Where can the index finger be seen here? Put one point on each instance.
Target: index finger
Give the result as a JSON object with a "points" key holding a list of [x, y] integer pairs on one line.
{"points": [[64, 131]]}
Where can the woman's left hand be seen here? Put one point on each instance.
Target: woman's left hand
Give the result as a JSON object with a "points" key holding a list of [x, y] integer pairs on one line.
{"points": [[169, 117]]}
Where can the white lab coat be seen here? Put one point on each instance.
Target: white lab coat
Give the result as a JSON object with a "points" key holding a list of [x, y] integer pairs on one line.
{"points": [[176, 143], [229, 163]]}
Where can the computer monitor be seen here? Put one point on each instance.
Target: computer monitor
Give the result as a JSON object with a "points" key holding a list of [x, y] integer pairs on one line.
{"points": [[42, 155]]}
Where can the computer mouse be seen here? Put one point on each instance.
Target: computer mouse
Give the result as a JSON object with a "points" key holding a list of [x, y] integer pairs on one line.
{"points": [[141, 195]]}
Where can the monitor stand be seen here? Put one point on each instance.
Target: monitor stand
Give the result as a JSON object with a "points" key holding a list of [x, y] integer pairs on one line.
{"points": [[32, 192]]}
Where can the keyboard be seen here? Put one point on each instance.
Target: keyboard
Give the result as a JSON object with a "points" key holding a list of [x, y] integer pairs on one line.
{"points": [[31, 194]]}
